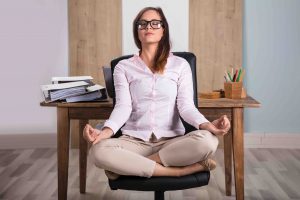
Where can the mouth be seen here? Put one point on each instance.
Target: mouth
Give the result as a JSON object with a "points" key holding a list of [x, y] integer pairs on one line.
{"points": [[147, 34]]}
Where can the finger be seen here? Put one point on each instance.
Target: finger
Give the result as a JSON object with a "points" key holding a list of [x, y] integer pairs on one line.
{"points": [[91, 129], [225, 133], [226, 122], [222, 118], [228, 125], [96, 140], [86, 133], [87, 127], [92, 133], [91, 138], [89, 134], [226, 130], [225, 125], [226, 119], [95, 133]]}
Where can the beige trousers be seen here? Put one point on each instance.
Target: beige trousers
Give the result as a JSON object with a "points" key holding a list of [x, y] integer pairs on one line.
{"points": [[127, 155]]}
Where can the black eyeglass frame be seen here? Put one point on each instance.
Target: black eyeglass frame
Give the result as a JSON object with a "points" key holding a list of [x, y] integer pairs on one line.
{"points": [[149, 22]]}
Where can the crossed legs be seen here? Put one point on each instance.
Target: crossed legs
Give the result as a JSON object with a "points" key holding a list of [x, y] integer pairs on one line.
{"points": [[175, 157], [185, 154]]}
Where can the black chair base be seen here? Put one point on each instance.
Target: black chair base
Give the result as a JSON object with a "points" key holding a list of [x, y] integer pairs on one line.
{"points": [[159, 195], [160, 184]]}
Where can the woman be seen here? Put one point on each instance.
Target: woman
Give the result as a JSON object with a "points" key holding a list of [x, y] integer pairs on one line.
{"points": [[153, 89]]}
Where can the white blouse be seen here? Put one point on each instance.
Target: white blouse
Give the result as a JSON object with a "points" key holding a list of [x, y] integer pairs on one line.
{"points": [[149, 102]]}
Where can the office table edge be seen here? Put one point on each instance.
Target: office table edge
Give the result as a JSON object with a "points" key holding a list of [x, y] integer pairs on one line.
{"points": [[247, 102]]}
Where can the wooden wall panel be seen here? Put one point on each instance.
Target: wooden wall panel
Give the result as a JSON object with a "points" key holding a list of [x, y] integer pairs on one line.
{"points": [[215, 36], [95, 37]]}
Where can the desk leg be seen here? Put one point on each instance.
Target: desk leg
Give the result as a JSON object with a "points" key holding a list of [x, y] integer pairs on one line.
{"points": [[63, 138], [238, 151], [82, 156], [228, 162]]}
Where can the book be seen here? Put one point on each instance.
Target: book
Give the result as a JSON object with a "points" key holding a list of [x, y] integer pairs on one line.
{"points": [[60, 86], [98, 95], [93, 93], [68, 92], [94, 88], [66, 79], [54, 92]]}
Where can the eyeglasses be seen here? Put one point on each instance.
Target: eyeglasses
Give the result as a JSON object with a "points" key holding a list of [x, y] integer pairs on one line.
{"points": [[155, 24]]}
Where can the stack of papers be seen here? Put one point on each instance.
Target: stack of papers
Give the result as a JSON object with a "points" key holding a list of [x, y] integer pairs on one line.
{"points": [[64, 93], [73, 89], [86, 97]]}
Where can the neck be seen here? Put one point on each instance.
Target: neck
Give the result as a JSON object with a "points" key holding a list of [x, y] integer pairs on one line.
{"points": [[148, 54]]}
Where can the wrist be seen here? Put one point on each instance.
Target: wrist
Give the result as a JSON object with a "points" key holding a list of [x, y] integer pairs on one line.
{"points": [[204, 125], [107, 132]]}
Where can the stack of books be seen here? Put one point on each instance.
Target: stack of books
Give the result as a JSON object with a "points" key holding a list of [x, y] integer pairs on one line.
{"points": [[73, 89]]}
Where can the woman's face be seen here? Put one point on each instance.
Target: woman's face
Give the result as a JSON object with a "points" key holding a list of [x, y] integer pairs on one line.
{"points": [[150, 32]]}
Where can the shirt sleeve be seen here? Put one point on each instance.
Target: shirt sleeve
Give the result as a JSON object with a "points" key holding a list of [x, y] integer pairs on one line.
{"points": [[123, 107], [185, 101]]}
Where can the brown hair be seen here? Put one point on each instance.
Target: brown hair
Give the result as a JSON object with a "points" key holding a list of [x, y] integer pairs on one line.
{"points": [[164, 46]]}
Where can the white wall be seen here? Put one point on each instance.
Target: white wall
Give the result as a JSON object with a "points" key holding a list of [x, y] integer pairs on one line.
{"points": [[176, 14], [34, 47]]}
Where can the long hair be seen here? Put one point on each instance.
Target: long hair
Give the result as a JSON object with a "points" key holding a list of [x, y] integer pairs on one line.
{"points": [[164, 46]]}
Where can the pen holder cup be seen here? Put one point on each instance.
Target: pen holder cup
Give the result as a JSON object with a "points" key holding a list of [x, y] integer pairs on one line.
{"points": [[233, 90]]}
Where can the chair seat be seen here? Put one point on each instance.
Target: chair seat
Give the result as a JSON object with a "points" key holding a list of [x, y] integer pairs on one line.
{"points": [[160, 183]]}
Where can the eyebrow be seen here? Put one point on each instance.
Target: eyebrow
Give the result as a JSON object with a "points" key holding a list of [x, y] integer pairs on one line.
{"points": [[149, 20]]}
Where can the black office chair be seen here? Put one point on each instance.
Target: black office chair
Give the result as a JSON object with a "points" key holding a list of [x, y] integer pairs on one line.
{"points": [[157, 184]]}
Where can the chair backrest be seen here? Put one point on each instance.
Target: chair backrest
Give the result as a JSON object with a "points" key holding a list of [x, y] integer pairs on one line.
{"points": [[189, 57]]}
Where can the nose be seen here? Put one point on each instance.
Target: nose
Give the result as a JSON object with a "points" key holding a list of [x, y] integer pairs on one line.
{"points": [[148, 26]]}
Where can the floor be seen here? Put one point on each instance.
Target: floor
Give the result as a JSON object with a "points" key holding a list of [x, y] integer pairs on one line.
{"points": [[30, 174]]}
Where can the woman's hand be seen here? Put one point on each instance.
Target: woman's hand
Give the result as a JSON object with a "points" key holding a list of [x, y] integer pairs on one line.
{"points": [[90, 133], [222, 123], [94, 136], [219, 126]]}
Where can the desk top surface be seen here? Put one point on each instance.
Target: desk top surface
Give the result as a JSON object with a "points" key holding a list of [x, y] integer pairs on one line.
{"points": [[247, 102], [228, 103]]}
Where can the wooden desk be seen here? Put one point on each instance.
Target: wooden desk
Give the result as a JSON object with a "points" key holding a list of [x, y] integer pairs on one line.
{"points": [[212, 109]]}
